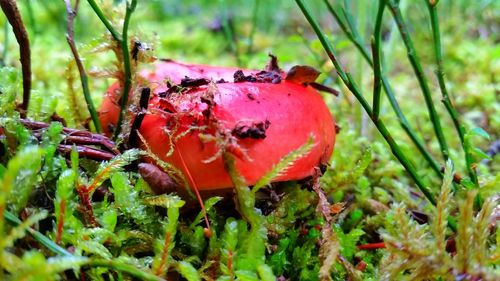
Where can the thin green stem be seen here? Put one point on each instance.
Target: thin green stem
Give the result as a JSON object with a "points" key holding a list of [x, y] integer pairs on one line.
{"points": [[377, 87], [49, 244], [352, 35], [126, 65], [306, 42], [70, 37], [104, 20], [419, 72], [126, 268], [5, 43], [58, 250], [227, 28], [377, 66], [390, 95], [255, 16], [432, 5], [31, 17], [349, 82]]}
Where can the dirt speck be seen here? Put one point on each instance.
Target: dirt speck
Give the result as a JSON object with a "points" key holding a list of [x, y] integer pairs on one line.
{"points": [[196, 82], [245, 130]]}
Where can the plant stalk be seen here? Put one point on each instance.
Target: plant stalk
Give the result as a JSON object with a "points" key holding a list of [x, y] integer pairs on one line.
{"points": [[390, 95], [227, 28], [70, 37], [122, 40], [377, 66], [349, 82], [455, 117], [5, 44], [419, 72], [126, 65], [254, 26], [104, 20]]}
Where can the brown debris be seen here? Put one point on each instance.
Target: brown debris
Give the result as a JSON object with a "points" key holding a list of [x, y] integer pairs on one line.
{"points": [[86, 152], [253, 131], [159, 181], [194, 82], [302, 74], [323, 88], [259, 77], [85, 141], [239, 76], [272, 65], [271, 74], [133, 139]]}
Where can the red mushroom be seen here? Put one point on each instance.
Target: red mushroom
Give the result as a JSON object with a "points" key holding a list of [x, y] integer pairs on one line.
{"points": [[260, 118]]}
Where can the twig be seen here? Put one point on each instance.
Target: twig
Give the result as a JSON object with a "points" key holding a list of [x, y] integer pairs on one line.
{"points": [[372, 246], [70, 35], [122, 40], [349, 82], [390, 95], [133, 139], [11, 11], [432, 5], [81, 139], [419, 72], [75, 136], [377, 68], [87, 152], [126, 65]]}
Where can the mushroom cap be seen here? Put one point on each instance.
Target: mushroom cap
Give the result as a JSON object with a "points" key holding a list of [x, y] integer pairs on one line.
{"points": [[259, 123]]}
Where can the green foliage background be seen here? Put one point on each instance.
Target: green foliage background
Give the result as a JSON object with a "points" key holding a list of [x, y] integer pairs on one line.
{"points": [[144, 235]]}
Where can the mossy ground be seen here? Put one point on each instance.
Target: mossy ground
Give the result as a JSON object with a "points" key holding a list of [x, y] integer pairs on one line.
{"points": [[370, 196]]}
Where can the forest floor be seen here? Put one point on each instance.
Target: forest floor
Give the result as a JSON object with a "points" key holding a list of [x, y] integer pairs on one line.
{"points": [[379, 225]]}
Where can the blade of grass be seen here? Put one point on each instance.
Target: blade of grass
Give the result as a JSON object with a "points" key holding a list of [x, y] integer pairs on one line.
{"points": [[255, 14], [49, 244], [389, 92], [122, 40], [5, 44], [32, 21], [349, 82], [126, 268], [70, 37], [352, 35], [58, 250], [432, 6], [126, 67], [227, 28], [419, 72], [377, 68]]}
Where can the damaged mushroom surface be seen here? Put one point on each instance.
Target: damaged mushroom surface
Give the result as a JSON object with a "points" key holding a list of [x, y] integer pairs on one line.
{"points": [[197, 112]]}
